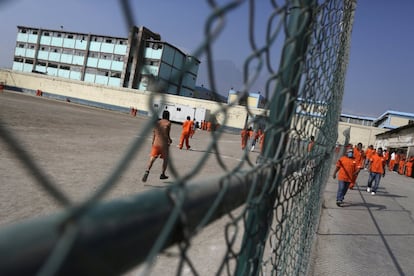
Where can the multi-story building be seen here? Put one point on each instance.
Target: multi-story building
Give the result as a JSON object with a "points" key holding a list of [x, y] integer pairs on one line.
{"points": [[141, 61]]}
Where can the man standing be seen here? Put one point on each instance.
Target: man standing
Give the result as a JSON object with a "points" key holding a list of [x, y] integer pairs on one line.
{"points": [[185, 133], [161, 141], [359, 157], [376, 167], [347, 168], [311, 143]]}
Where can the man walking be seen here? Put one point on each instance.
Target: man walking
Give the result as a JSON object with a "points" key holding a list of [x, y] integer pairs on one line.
{"points": [[376, 167], [185, 133], [347, 168], [161, 141]]}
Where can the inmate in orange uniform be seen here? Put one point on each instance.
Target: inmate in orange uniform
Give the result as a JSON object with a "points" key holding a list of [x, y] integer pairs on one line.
{"points": [[193, 129], [161, 141], [409, 167], [244, 137], [185, 133], [401, 165], [347, 168], [359, 157], [376, 170]]}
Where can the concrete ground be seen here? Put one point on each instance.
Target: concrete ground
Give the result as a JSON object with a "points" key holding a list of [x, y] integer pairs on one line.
{"points": [[77, 148], [370, 234]]}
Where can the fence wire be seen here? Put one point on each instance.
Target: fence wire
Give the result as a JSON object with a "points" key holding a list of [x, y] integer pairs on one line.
{"points": [[270, 205]]}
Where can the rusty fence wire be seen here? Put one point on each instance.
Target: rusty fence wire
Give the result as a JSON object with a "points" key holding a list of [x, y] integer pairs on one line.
{"points": [[268, 206]]}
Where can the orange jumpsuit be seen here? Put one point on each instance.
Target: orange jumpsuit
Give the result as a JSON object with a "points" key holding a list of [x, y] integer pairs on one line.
{"points": [[359, 160], [185, 134], [244, 138], [409, 167], [401, 166]]}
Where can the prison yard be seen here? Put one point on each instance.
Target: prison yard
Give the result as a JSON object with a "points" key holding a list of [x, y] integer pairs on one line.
{"points": [[77, 147]]}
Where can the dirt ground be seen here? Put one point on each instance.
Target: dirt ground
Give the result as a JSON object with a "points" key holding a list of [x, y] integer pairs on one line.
{"points": [[77, 148]]}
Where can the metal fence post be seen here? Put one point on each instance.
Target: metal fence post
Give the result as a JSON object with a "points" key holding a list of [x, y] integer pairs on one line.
{"points": [[286, 89]]}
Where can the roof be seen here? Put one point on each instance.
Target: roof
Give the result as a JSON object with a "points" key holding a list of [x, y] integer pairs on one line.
{"points": [[395, 113], [358, 117], [395, 130]]}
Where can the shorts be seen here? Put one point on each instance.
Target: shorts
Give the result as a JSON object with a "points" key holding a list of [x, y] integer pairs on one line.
{"points": [[158, 151]]}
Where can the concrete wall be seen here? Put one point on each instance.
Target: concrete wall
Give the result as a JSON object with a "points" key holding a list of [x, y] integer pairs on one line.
{"points": [[127, 98], [122, 97], [359, 133], [398, 121]]}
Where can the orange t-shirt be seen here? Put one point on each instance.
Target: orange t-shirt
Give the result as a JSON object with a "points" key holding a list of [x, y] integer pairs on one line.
{"points": [[377, 163], [347, 168]]}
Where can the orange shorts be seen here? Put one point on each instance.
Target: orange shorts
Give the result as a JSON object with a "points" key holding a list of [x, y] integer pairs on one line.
{"points": [[157, 151]]}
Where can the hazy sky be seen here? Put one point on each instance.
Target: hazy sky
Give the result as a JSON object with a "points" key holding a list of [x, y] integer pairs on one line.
{"points": [[379, 73]]}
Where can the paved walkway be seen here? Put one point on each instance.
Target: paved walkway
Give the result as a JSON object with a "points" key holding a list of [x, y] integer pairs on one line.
{"points": [[369, 235]]}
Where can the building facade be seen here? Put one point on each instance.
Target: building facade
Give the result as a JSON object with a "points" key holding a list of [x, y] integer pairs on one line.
{"points": [[394, 119], [252, 100], [141, 61]]}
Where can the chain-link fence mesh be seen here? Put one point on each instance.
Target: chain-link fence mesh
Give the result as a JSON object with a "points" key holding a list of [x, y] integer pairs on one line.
{"points": [[268, 207]]}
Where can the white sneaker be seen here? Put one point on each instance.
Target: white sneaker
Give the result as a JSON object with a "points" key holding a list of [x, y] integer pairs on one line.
{"points": [[373, 193], [368, 189]]}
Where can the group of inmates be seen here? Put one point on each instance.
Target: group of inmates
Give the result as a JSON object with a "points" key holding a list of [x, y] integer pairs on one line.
{"points": [[376, 161], [250, 137]]}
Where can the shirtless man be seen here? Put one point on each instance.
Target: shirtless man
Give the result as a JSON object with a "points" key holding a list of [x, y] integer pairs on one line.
{"points": [[161, 141]]}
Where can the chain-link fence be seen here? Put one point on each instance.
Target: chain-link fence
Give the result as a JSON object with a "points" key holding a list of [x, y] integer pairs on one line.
{"points": [[268, 207]]}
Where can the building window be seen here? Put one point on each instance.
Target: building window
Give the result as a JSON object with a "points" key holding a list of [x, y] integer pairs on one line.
{"points": [[70, 36], [118, 57], [34, 32], [65, 67], [29, 61], [46, 34], [67, 51], [21, 45], [108, 40], [41, 63], [76, 69], [23, 31], [53, 65], [18, 59], [79, 53]]}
